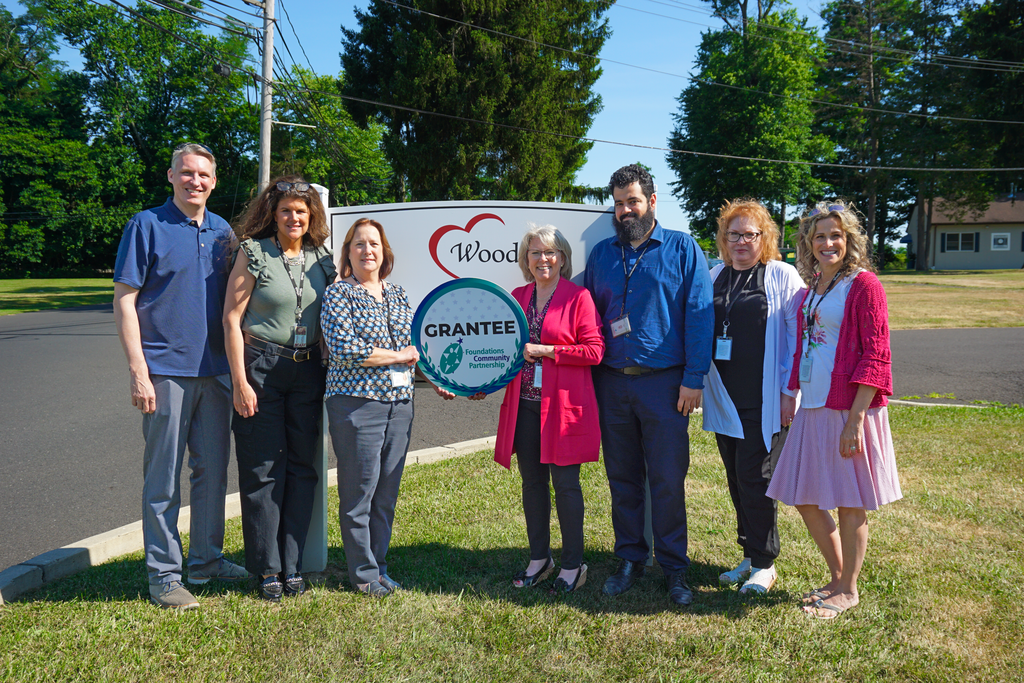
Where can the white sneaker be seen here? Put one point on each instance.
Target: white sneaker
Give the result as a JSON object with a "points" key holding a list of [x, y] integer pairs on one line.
{"points": [[760, 581], [733, 577]]}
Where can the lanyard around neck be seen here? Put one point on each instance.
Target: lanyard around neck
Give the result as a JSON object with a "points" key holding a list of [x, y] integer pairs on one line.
{"points": [[302, 278], [625, 285], [809, 319]]}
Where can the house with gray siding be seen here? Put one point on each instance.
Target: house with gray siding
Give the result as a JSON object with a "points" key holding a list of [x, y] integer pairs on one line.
{"points": [[960, 239]]}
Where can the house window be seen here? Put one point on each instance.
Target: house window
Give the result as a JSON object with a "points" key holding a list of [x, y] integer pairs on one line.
{"points": [[959, 241], [1000, 241]]}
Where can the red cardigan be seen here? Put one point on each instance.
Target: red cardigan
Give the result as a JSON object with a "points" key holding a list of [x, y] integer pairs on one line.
{"points": [[570, 433], [862, 353]]}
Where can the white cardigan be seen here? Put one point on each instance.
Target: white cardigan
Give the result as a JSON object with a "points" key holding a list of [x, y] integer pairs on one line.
{"points": [[783, 287]]}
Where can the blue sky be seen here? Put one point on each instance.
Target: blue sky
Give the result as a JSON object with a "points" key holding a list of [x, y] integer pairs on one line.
{"points": [[662, 35]]}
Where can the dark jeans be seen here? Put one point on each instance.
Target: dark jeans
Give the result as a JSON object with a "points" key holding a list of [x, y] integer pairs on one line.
{"points": [[370, 441], [748, 469], [643, 434], [537, 495], [276, 448]]}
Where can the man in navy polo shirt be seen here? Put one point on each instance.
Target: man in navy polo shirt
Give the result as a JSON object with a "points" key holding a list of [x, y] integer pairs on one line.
{"points": [[169, 283], [653, 291]]}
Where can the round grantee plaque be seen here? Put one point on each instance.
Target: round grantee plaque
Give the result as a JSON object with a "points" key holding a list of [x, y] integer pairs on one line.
{"points": [[470, 335]]}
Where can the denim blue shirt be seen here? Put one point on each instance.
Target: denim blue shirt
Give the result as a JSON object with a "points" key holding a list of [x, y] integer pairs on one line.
{"points": [[669, 303], [181, 272]]}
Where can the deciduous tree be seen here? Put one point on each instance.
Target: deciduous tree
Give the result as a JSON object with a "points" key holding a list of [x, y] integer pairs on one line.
{"points": [[770, 63]]}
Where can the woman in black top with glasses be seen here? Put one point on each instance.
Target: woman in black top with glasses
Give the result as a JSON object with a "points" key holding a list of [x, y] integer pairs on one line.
{"points": [[746, 402]]}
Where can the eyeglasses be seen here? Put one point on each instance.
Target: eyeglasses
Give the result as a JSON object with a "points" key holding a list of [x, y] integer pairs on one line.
{"points": [[832, 208], [197, 144], [549, 254], [746, 237], [298, 187]]}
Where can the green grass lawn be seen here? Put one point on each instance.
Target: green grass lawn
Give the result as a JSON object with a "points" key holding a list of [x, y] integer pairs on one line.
{"points": [[25, 296], [941, 591]]}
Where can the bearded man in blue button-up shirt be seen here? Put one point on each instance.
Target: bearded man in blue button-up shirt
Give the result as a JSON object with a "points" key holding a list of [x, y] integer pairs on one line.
{"points": [[170, 278], [654, 294]]}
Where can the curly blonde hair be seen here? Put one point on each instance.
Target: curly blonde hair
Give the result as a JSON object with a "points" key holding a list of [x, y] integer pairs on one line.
{"points": [[755, 211], [856, 240]]}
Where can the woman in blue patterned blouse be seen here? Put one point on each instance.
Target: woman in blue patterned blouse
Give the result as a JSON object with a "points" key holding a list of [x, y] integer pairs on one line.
{"points": [[367, 324]]}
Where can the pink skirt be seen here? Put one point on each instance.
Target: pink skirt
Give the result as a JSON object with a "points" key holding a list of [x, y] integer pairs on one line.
{"points": [[812, 472]]}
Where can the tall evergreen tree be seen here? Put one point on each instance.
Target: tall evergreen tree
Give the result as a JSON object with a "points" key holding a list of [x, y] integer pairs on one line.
{"points": [[417, 60], [867, 60], [991, 36], [771, 61]]}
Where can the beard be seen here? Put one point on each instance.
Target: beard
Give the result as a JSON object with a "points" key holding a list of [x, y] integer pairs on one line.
{"points": [[633, 229]]}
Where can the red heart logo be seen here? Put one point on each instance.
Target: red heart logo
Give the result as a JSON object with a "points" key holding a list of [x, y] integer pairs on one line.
{"points": [[445, 229]]}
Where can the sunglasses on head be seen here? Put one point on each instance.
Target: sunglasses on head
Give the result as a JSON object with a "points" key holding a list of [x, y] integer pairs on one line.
{"points": [[832, 208], [298, 187]]}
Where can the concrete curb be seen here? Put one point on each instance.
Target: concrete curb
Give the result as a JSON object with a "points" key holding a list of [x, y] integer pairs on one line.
{"points": [[56, 564], [900, 402]]}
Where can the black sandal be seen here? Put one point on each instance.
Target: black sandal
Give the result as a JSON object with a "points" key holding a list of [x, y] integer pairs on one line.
{"points": [[563, 586], [294, 585], [270, 589], [524, 580]]}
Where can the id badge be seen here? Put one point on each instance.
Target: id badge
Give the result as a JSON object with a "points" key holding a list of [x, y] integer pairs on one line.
{"points": [[620, 326], [300, 336], [537, 369], [400, 376], [805, 368], [723, 348]]}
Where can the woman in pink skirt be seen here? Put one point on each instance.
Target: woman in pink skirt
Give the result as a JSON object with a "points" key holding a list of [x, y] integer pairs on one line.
{"points": [[839, 451]]}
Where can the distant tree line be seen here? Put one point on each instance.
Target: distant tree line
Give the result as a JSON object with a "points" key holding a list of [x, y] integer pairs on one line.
{"points": [[445, 101], [768, 87]]}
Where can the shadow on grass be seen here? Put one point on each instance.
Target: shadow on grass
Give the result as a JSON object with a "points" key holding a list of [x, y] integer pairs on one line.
{"points": [[11, 306], [105, 289], [434, 568]]}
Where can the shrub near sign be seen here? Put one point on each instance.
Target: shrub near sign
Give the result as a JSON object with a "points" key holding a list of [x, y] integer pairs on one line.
{"points": [[470, 334]]}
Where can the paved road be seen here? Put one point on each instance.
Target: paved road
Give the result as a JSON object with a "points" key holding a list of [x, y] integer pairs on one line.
{"points": [[71, 452], [70, 457], [976, 364]]}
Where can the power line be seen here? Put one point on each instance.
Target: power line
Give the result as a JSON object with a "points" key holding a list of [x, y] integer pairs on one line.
{"points": [[385, 105], [296, 34], [955, 62], [234, 9], [968, 61], [864, 167], [702, 80], [219, 14], [193, 17], [179, 38]]}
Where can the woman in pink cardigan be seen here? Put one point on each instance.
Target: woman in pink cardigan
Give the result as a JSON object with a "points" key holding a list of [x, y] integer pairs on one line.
{"points": [[549, 415], [839, 451]]}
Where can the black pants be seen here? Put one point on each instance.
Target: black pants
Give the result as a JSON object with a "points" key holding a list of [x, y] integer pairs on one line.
{"points": [[275, 449], [537, 496], [748, 468]]}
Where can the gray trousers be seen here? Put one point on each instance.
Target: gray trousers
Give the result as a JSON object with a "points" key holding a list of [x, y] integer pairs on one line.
{"points": [[193, 412], [370, 441]]}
